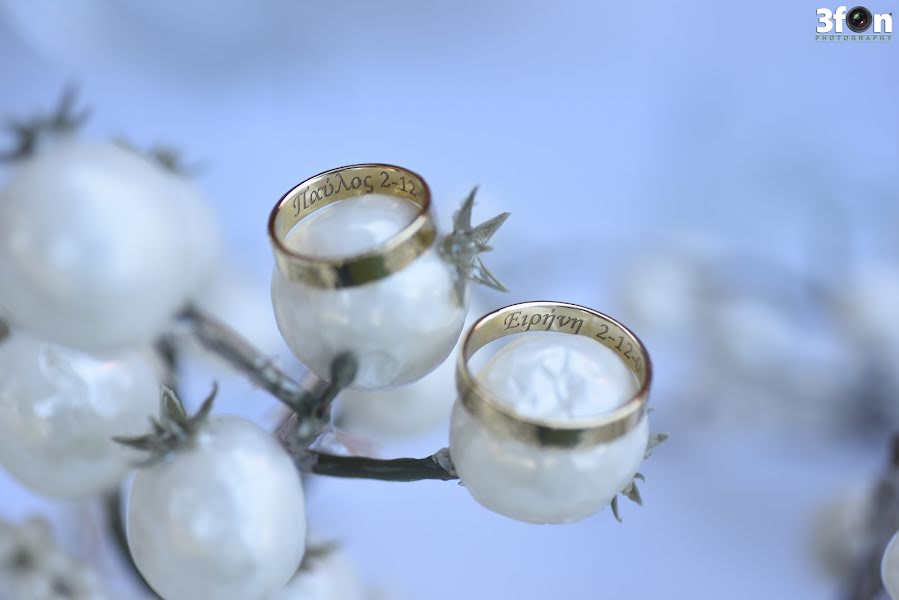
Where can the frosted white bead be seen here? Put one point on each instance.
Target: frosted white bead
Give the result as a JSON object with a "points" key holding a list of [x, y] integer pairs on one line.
{"points": [[558, 376], [223, 518], [412, 409], [60, 406], [331, 577], [201, 230], [889, 568], [94, 251], [399, 328]]}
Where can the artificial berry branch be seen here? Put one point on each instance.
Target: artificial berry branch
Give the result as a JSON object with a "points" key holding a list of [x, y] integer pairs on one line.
{"points": [[865, 582]]}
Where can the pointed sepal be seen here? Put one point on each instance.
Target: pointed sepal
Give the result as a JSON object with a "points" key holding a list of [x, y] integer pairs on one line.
{"points": [[62, 120], [654, 441], [172, 430], [463, 246]]}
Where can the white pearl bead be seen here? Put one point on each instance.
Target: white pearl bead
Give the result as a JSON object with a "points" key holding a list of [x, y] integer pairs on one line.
{"points": [[889, 568], [551, 376], [409, 410], [60, 406], [331, 577], [201, 230], [222, 518], [399, 328], [94, 252]]}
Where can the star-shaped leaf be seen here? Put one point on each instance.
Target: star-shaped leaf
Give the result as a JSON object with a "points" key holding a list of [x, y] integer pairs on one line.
{"points": [[654, 441], [463, 246], [172, 430], [631, 491], [64, 119]]}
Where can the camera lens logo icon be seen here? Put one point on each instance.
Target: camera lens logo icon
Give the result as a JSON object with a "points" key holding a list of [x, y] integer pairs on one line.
{"points": [[859, 19]]}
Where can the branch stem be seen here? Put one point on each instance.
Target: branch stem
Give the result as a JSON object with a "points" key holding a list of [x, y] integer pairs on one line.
{"points": [[226, 343], [437, 466], [311, 403]]}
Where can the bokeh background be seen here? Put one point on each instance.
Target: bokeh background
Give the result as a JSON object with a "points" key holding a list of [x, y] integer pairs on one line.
{"points": [[705, 171]]}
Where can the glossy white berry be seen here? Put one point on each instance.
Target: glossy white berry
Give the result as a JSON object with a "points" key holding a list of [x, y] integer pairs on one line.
{"points": [[548, 376], [399, 328], [329, 577], [408, 410], [95, 251], [222, 517], [59, 407], [889, 568]]}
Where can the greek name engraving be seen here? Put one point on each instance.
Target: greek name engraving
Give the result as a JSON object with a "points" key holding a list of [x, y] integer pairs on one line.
{"points": [[544, 320], [341, 183]]}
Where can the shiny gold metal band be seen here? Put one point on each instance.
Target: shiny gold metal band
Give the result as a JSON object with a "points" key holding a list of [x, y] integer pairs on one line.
{"points": [[339, 184], [565, 318]]}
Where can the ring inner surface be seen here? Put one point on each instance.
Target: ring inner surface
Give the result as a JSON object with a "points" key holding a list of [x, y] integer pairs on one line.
{"points": [[347, 182], [564, 318]]}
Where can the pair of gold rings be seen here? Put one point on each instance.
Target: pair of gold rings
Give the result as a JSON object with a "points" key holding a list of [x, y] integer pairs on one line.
{"points": [[415, 239]]}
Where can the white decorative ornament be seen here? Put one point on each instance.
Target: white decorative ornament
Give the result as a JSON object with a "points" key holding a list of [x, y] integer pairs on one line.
{"points": [[59, 407], [409, 410], [94, 250], [551, 381], [889, 568], [398, 327], [328, 577], [221, 517]]}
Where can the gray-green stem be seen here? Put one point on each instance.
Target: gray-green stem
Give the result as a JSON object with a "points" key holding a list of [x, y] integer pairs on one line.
{"points": [[436, 466]]}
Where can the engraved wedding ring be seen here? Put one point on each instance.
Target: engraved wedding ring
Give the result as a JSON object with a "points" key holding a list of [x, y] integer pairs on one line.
{"points": [[339, 184], [565, 318]]}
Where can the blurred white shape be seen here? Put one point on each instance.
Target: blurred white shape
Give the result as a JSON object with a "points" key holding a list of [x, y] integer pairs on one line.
{"points": [[95, 251], [870, 305], [59, 407], [331, 576], [662, 292], [838, 531], [32, 567], [409, 410], [889, 568], [240, 299]]}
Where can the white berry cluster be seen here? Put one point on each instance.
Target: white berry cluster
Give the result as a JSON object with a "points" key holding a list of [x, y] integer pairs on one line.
{"points": [[95, 259], [100, 249]]}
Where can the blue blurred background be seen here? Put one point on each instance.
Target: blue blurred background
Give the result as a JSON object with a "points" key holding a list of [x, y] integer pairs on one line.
{"points": [[705, 171]]}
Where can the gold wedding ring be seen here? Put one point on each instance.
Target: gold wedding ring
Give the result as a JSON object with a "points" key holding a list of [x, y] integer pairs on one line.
{"points": [[565, 318], [339, 184]]}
